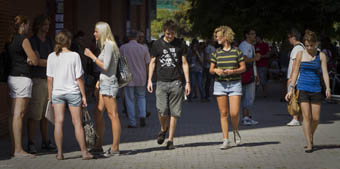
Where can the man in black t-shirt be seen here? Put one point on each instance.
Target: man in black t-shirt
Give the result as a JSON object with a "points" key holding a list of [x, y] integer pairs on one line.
{"points": [[42, 46], [168, 56]]}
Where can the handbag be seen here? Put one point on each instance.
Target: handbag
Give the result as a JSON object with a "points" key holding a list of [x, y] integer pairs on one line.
{"points": [[293, 104], [248, 76], [91, 136], [123, 74]]}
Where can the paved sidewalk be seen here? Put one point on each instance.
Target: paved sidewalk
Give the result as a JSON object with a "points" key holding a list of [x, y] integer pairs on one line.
{"points": [[270, 144]]}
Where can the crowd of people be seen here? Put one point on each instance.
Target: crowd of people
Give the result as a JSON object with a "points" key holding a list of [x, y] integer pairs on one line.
{"points": [[62, 71]]}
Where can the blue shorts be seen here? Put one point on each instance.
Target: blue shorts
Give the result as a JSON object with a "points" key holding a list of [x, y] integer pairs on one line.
{"points": [[108, 87], [230, 88], [73, 100]]}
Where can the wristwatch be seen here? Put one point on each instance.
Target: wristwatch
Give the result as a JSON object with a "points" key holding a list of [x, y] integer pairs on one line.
{"points": [[94, 60]]}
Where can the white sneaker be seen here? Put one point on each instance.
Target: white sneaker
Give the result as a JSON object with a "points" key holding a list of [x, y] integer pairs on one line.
{"points": [[246, 121], [253, 122], [294, 123], [225, 145]]}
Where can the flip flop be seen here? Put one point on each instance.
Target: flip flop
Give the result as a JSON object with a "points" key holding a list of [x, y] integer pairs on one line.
{"points": [[23, 156]]}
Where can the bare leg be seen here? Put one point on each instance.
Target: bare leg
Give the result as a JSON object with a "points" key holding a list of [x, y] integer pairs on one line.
{"points": [[31, 130], [59, 114], [316, 107], [173, 122], [100, 123], [44, 130], [164, 122], [234, 103], [306, 124], [223, 108], [19, 106], [79, 131], [111, 107]]}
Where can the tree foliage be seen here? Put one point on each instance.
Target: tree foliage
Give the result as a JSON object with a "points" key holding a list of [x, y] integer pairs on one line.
{"points": [[179, 16], [268, 17]]}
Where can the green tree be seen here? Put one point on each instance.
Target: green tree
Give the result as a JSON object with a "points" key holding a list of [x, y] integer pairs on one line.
{"points": [[268, 17], [179, 16]]}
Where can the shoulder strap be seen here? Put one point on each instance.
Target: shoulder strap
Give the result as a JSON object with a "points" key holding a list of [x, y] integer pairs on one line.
{"points": [[300, 44]]}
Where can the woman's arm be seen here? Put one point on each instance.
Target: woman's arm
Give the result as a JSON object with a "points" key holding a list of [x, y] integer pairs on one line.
{"points": [[214, 70], [50, 87], [325, 74], [82, 90], [32, 57]]}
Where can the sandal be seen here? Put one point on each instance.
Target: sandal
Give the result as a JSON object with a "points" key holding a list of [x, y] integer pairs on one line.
{"points": [[161, 136], [60, 157]]}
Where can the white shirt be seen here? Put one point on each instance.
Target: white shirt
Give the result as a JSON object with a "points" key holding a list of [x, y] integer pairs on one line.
{"points": [[292, 57], [65, 69], [249, 51]]}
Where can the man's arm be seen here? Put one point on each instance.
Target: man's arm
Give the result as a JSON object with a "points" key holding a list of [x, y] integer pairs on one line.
{"points": [[185, 67]]}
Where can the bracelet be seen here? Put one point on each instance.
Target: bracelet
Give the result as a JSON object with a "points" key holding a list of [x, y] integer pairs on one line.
{"points": [[187, 82], [328, 89]]}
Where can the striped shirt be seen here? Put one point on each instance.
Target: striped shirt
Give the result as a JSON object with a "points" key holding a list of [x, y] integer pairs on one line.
{"points": [[227, 60]]}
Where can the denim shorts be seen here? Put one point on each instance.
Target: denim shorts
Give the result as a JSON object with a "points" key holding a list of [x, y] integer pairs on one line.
{"points": [[228, 88], [73, 100], [108, 87], [248, 97]]}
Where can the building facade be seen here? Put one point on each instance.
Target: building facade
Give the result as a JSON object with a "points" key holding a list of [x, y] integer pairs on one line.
{"points": [[74, 15]]}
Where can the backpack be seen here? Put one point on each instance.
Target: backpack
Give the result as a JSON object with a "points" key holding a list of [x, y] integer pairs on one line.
{"points": [[4, 65]]}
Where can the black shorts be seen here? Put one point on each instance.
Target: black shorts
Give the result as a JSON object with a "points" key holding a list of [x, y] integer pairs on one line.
{"points": [[305, 96]]}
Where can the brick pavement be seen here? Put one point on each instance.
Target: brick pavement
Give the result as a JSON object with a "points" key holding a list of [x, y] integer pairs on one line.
{"points": [[270, 144]]}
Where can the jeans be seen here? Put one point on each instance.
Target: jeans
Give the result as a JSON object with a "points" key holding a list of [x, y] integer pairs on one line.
{"points": [[196, 78], [130, 93], [248, 95]]}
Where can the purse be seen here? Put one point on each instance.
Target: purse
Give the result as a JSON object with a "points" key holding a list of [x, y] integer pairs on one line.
{"points": [[123, 74], [293, 104], [247, 76], [91, 136]]}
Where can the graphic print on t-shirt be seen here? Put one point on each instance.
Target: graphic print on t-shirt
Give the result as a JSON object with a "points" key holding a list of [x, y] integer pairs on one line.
{"points": [[166, 59]]}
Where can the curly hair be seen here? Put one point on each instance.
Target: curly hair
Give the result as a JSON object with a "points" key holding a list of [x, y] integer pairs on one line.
{"points": [[227, 32]]}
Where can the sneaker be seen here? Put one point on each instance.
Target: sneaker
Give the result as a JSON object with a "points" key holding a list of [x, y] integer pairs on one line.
{"points": [[237, 138], [246, 121], [31, 148], [170, 145], [161, 136], [48, 147], [225, 145], [294, 123], [253, 122], [110, 153]]}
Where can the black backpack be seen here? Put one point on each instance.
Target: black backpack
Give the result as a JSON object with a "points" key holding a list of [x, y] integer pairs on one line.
{"points": [[4, 65]]}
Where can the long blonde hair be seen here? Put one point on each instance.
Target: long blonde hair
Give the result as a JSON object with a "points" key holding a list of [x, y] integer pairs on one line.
{"points": [[105, 34]]}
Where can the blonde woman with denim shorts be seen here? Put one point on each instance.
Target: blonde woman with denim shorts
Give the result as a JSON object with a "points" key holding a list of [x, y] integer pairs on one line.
{"points": [[227, 64], [107, 61]]}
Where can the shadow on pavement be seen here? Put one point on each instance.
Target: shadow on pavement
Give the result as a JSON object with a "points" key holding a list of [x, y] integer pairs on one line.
{"points": [[326, 146]]}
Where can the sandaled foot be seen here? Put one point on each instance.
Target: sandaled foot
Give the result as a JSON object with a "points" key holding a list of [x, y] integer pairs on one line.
{"points": [[161, 136], [59, 157], [88, 156], [23, 155]]}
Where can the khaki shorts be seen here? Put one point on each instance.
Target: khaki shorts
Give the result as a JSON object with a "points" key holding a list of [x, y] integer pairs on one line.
{"points": [[38, 102], [169, 98]]}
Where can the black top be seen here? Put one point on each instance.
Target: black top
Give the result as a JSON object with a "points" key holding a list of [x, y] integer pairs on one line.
{"points": [[44, 48], [18, 57], [166, 68]]}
